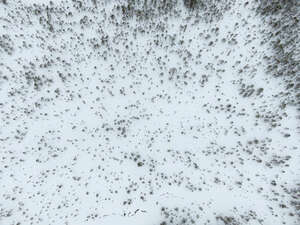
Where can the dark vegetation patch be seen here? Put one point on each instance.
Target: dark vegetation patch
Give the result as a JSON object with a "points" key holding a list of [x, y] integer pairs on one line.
{"points": [[208, 10], [282, 16], [6, 44], [282, 19], [227, 220], [295, 200], [146, 9], [187, 216], [180, 216], [211, 10]]}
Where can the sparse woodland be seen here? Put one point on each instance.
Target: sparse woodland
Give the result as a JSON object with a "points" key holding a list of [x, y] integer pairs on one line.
{"points": [[149, 112]]}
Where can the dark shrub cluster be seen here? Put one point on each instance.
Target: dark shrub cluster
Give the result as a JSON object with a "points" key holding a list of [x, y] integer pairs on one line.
{"points": [[282, 16]]}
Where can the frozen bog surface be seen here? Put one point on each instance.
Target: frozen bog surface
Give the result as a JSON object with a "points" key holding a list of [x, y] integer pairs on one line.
{"points": [[149, 112]]}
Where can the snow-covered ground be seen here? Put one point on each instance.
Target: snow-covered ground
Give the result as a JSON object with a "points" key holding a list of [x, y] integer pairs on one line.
{"points": [[116, 115]]}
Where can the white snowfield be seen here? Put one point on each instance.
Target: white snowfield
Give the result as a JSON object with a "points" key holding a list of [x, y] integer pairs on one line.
{"points": [[108, 118]]}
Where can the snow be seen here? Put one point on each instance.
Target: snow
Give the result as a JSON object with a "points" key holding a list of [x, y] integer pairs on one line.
{"points": [[104, 123]]}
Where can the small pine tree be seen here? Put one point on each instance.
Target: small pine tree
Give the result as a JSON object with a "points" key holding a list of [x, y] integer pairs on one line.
{"points": [[191, 4]]}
